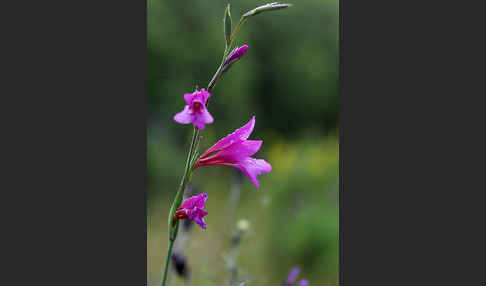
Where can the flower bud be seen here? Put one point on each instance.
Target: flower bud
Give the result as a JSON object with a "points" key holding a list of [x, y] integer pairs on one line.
{"points": [[227, 25], [264, 8], [234, 56]]}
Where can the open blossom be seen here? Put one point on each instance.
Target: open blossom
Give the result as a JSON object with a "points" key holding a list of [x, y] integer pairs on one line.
{"points": [[192, 208], [235, 151], [195, 111]]}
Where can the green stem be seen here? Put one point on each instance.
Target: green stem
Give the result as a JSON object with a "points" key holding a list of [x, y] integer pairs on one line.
{"points": [[169, 253], [242, 20], [219, 71], [174, 227]]}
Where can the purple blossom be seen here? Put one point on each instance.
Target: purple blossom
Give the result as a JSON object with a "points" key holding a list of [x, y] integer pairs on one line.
{"points": [[192, 208], [292, 276], [195, 111], [236, 54], [303, 282], [235, 151]]}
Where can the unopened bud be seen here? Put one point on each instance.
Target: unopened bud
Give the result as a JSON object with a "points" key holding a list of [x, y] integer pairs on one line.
{"points": [[227, 25], [264, 8], [234, 56]]}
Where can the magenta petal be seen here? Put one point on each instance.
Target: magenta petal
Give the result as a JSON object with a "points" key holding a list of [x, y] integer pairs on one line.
{"points": [[206, 95], [200, 221], [239, 151], [253, 167], [202, 213], [193, 201], [198, 122], [191, 208], [244, 131], [236, 53], [238, 135], [185, 116], [192, 213], [201, 200], [205, 116], [188, 98]]}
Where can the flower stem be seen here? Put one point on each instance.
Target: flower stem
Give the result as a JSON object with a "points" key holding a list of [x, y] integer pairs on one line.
{"points": [[219, 71], [174, 226], [242, 20], [169, 253]]}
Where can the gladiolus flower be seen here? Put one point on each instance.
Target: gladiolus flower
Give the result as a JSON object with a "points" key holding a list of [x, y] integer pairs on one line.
{"points": [[235, 151], [195, 111], [192, 208]]}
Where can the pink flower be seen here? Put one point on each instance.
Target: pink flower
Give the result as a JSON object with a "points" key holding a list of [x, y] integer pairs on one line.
{"points": [[192, 208], [235, 151], [195, 111]]}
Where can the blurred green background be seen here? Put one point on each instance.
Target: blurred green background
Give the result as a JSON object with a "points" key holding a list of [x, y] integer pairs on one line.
{"points": [[288, 79]]}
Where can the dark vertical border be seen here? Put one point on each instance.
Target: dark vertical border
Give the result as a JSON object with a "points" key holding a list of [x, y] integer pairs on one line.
{"points": [[408, 118], [75, 146]]}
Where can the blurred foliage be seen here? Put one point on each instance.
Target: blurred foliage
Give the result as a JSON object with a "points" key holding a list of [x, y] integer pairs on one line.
{"points": [[289, 80], [288, 77]]}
